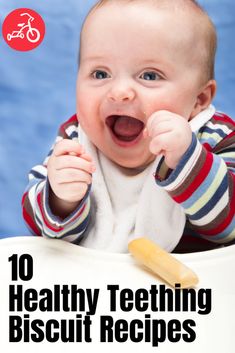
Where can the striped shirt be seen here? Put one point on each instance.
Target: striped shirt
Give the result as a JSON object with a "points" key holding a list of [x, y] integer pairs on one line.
{"points": [[203, 184]]}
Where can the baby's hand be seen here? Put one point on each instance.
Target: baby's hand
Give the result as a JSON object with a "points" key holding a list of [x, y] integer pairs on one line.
{"points": [[69, 172], [170, 136]]}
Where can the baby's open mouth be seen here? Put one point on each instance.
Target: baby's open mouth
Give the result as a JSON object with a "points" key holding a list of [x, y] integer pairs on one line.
{"points": [[124, 128]]}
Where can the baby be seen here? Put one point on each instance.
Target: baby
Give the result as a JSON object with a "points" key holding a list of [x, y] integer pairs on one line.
{"points": [[146, 154]]}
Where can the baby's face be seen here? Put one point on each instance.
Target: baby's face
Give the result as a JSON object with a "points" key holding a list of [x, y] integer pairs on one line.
{"points": [[135, 60]]}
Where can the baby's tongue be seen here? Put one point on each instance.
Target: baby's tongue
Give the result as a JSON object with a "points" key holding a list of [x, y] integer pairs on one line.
{"points": [[127, 127]]}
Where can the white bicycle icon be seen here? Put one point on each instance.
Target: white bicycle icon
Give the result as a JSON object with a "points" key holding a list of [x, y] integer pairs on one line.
{"points": [[32, 34]]}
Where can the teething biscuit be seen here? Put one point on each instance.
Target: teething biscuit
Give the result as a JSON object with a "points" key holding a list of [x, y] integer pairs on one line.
{"points": [[162, 263]]}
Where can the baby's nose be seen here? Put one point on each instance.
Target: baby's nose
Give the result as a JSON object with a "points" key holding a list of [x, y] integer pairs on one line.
{"points": [[121, 92]]}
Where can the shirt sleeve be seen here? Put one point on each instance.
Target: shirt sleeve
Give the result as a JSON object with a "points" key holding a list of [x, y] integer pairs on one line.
{"points": [[35, 205], [203, 183]]}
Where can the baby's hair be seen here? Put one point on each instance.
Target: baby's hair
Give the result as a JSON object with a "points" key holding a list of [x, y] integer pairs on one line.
{"points": [[207, 28]]}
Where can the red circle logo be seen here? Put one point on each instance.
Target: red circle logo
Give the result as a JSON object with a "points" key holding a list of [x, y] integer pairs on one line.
{"points": [[23, 29]]}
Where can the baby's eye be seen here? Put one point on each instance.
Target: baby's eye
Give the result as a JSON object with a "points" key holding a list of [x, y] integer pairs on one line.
{"points": [[100, 75], [150, 76]]}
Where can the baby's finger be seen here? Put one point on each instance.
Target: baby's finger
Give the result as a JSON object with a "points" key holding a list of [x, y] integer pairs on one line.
{"points": [[156, 118], [150, 123], [158, 145], [86, 156], [72, 192], [68, 161], [72, 175], [161, 127], [66, 146], [82, 155]]}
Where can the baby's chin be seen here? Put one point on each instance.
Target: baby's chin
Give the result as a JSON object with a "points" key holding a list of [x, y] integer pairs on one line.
{"points": [[133, 164]]}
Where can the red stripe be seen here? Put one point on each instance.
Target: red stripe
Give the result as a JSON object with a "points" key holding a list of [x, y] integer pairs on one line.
{"points": [[202, 174], [23, 197], [27, 217], [31, 223], [230, 164], [228, 219], [73, 119], [44, 217], [224, 118], [77, 215], [207, 146]]}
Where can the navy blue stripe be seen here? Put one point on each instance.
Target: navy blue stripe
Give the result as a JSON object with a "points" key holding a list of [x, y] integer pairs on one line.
{"points": [[81, 228], [73, 135], [217, 131], [36, 174], [213, 201]]}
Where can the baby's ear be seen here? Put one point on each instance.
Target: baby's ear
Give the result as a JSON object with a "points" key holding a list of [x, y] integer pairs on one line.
{"points": [[205, 97]]}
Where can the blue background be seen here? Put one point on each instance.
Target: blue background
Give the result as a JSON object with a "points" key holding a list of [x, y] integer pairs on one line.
{"points": [[37, 91]]}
